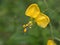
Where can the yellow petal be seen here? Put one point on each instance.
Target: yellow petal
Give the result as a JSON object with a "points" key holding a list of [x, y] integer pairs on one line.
{"points": [[32, 11], [25, 30], [51, 42], [42, 20]]}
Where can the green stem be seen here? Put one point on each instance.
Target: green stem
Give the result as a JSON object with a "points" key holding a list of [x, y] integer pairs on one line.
{"points": [[51, 31], [46, 6]]}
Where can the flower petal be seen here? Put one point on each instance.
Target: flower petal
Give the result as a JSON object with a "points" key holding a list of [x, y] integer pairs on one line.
{"points": [[32, 11], [51, 42], [42, 20]]}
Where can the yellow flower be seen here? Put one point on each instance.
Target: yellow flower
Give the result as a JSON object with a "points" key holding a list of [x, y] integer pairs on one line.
{"points": [[51, 42], [32, 11], [41, 19]]}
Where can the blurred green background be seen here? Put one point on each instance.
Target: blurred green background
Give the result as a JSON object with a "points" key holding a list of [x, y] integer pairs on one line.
{"points": [[12, 17]]}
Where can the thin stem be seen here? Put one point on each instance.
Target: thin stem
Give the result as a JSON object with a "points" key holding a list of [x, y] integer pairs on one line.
{"points": [[46, 6], [46, 3], [57, 38], [51, 31]]}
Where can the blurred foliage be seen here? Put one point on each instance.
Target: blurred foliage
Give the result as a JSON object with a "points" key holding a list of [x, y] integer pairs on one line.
{"points": [[12, 17]]}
